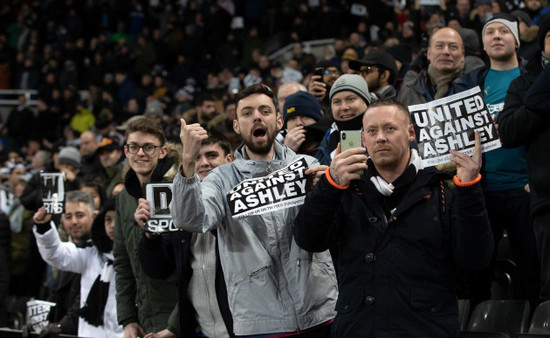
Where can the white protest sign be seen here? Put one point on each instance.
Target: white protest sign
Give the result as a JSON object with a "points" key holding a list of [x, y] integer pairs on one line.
{"points": [[450, 123], [358, 9], [429, 2], [37, 314], [159, 196], [281, 189], [53, 192]]}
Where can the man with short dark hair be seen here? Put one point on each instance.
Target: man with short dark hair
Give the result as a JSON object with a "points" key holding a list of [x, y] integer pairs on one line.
{"points": [[204, 111], [110, 157], [202, 296], [399, 230], [379, 70], [143, 304], [97, 306], [319, 85], [273, 287]]}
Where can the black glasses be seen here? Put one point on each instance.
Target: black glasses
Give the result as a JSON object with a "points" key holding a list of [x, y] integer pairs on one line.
{"points": [[149, 149], [368, 70]]}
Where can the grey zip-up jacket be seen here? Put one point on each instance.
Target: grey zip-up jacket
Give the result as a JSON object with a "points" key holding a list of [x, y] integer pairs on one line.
{"points": [[273, 286]]}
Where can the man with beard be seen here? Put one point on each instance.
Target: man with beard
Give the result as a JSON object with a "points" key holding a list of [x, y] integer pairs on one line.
{"points": [[273, 286], [379, 70]]}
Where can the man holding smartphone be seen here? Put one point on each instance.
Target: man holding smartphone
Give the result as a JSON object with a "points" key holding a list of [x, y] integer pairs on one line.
{"points": [[400, 230], [325, 74]]}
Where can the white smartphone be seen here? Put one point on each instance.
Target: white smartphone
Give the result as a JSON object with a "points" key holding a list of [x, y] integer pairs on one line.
{"points": [[350, 139]]}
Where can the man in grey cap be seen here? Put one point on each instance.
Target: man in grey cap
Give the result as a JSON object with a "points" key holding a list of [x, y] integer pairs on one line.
{"points": [[349, 97], [379, 70], [69, 162]]}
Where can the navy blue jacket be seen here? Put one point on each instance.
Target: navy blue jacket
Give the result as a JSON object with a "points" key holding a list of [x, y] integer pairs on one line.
{"points": [[396, 276]]}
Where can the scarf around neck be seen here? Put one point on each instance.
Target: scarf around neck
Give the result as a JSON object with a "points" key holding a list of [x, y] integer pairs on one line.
{"points": [[94, 307], [385, 188], [354, 124], [544, 59], [442, 83]]}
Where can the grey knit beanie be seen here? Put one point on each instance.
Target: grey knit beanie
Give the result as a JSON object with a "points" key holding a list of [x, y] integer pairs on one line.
{"points": [[507, 20], [70, 155], [354, 83]]}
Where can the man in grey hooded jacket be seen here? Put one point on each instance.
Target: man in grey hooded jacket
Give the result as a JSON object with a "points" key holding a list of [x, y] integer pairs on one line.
{"points": [[273, 286]]}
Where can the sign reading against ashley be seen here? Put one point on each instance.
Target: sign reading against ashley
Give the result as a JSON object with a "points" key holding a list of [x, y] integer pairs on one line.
{"points": [[159, 196], [281, 189], [53, 192], [451, 123], [37, 314]]}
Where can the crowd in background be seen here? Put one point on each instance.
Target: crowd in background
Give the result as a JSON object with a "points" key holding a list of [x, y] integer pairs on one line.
{"points": [[98, 63]]}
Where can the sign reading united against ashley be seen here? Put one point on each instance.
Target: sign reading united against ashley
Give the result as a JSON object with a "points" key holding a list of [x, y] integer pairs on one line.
{"points": [[37, 314], [281, 189], [450, 123], [159, 196], [53, 192]]}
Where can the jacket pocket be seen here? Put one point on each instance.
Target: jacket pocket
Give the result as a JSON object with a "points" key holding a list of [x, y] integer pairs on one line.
{"points": [[242, 295], [349, 302], [436, 301]]}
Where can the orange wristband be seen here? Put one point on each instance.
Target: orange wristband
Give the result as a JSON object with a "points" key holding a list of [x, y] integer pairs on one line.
{"points": [[466, 184], [331, 181]]}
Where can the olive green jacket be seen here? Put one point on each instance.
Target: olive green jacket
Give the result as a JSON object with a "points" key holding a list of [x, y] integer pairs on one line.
{"points": [[140, 299]]}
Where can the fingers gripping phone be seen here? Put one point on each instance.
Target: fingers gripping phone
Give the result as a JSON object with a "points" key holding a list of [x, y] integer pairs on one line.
{"points": [[350, 139], [319, 71]]}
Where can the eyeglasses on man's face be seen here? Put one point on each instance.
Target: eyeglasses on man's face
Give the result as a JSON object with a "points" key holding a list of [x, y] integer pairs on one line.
{"points": [[333, 72], [148, 148], [367, 70]]}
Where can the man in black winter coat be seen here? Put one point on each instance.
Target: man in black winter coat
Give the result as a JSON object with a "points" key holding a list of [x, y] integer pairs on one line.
{"points": [[399, 231], [525, 121]]}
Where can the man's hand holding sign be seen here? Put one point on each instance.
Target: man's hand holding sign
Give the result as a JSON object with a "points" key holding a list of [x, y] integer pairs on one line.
{"points": [[449, 124]]}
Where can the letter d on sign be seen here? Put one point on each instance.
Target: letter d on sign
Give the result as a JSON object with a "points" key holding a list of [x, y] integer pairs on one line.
{"points": [[159, 196]]}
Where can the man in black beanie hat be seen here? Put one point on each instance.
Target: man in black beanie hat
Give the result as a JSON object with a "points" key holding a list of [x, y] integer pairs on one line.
{"points": [[524, 121]]}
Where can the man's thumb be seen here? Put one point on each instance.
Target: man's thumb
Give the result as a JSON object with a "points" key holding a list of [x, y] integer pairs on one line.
{"points": [[183, 124]]}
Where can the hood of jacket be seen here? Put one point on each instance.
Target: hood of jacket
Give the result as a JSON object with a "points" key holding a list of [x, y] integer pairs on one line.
{"points": [[99, 237]]}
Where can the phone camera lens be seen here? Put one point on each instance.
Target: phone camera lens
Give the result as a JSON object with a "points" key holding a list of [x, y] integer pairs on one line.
{"points": [[343, 136]]}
